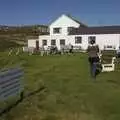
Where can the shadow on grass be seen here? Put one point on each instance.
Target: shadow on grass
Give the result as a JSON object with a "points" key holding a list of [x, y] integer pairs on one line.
{"points": [[22, 97]]}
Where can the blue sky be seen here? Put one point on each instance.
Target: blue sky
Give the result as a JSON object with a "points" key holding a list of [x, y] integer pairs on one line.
{"points": [[91, 12]]}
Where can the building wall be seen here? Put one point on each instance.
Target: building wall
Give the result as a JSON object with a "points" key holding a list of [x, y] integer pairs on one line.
{"points": [[44, 37], [83, 44], [32, 42], [108, 39], [68, 40], [56, 37], [101, 40]]}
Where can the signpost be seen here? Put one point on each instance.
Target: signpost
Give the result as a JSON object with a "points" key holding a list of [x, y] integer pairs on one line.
{"points": [[10, 83]]}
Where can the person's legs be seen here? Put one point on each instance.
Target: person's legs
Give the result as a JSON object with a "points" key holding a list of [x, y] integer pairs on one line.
{"points": [[90, 64], [94, 70], [91, 67], [70, 51]]}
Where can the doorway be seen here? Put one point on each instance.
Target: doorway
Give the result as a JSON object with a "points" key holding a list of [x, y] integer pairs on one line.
{"points": [[37, 45]]}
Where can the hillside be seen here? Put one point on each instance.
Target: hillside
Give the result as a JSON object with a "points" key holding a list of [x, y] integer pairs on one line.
{"points": [[12, 36]]}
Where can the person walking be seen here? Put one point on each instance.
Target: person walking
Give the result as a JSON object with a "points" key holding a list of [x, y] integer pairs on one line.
{"points": [[70, 48], [93, 57]]}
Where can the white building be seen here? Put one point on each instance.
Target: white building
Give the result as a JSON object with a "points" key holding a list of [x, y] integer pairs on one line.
{"points": [[66, 30]]}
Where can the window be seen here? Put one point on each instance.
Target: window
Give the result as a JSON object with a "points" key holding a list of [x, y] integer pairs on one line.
{"points": [[91, 38], [109, 47], [44, 42], [53, 42], [69, 29], [56, 30], [62, 42], [78, 40]]}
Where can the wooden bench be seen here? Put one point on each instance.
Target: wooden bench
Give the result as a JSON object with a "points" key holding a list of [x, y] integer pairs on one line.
{"points": [[110, 66], [107, 59]]}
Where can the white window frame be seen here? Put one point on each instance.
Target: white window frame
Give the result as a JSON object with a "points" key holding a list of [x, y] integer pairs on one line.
{"points": [[77, 40]]}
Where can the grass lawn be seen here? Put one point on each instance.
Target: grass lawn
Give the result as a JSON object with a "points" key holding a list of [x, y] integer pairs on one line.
{"points": [[70, 92]]}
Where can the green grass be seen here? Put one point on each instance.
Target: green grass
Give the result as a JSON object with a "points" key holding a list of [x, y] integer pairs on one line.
{"points": [[7, 43], [70, 92]]}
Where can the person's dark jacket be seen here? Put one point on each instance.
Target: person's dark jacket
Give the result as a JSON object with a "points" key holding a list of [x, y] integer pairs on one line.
{"points": [[93, 51]]}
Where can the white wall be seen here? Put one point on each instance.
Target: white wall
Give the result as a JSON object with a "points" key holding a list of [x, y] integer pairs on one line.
{"points": [[63, 22], [101, 40], [68, 40], [44, 37], [56, 37], [108, 39], [84, 43], [32, 42]]}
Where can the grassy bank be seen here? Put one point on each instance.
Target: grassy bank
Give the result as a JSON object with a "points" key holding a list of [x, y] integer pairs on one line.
{"points": [[70, 93]]}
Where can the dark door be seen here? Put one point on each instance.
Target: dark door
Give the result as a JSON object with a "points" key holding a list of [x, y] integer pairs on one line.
{"points": [[37, 45]]}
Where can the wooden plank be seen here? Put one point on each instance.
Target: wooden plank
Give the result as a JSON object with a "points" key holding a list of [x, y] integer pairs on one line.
{"points": [[10, 72], [10, 78], [10, 82]]}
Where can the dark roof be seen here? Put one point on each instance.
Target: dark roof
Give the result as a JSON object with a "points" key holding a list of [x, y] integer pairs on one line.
{"points": [[96, 30], [82, 24]]}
